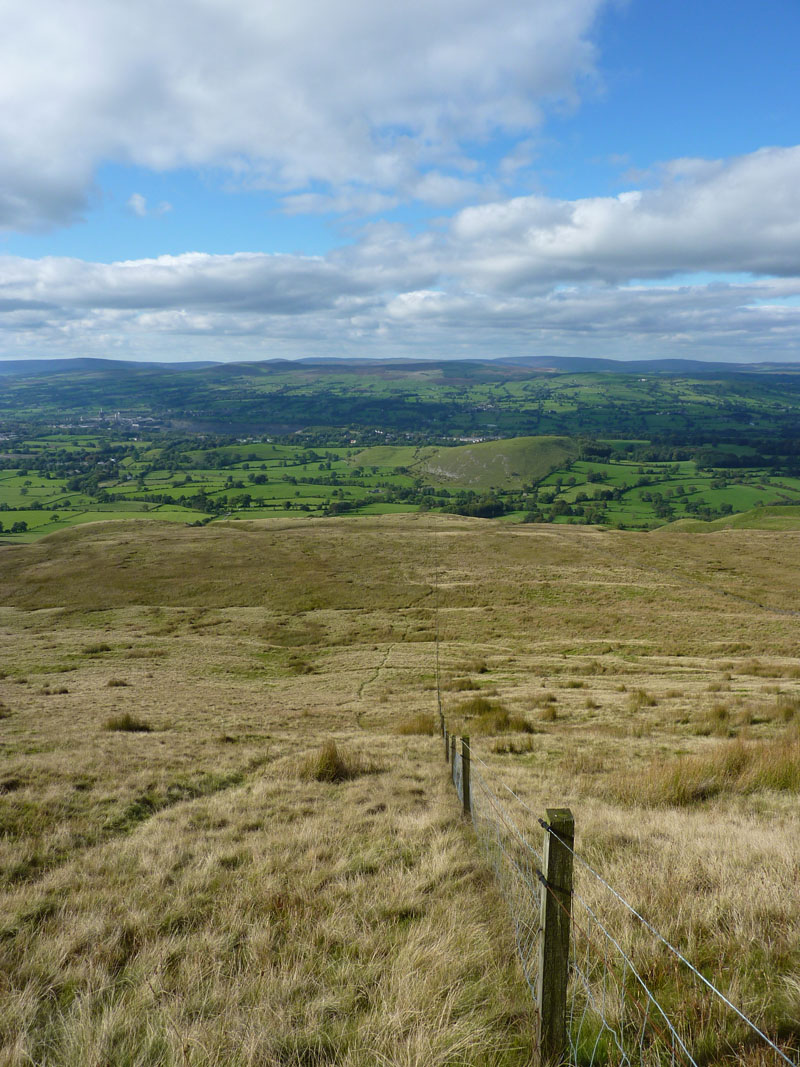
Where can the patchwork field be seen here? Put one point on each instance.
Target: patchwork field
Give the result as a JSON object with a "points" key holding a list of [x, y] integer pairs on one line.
{"points": [[181, 885], [59, 480]]}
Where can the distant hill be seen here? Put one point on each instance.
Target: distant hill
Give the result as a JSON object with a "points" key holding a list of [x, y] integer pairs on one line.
{"points": [[498, 464], [777, 517], [32, 368], [680, 367], [420, 401]]}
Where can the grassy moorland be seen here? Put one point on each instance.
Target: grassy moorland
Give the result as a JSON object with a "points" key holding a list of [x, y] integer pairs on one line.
{"points": [[191, 875]]}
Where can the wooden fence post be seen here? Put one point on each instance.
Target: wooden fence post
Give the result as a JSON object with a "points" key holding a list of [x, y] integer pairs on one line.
{"points": [[554, 938], [446, 744], [452, 751], [465, 774]]}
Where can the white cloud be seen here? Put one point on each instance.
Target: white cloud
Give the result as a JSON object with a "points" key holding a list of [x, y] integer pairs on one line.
{"points": [[349, 201], [281, 94], [274, 284], [137, 204], [736, 215], [674, 269]]}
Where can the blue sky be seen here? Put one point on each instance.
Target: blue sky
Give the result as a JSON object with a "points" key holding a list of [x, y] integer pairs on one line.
{"points": [[235, 180]]}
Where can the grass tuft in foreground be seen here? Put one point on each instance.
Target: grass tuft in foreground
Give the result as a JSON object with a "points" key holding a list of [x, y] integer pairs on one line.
{"points": [[732, 768], [127, 723], [332, 764]]}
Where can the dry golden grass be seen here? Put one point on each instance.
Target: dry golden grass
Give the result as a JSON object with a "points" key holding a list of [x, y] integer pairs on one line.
{"points": [[422, 722], [127, 723], [184, 896], [736, 767], [333, 764]]}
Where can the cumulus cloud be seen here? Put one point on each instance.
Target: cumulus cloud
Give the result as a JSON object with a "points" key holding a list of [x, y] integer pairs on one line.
{"points": [[277, 284], [281, 95], [736, 215], [586, 277]]}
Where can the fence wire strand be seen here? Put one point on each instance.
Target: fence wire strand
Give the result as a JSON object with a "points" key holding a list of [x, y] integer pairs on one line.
{"points": [[516, 866], [674, 951], [614, 1017]]}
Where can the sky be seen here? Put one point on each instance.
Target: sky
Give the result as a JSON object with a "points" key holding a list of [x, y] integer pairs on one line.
{"points": [[261, 179]]}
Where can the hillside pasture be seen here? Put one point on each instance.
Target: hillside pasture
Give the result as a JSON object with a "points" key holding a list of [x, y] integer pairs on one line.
{"points": [[186, 893]]}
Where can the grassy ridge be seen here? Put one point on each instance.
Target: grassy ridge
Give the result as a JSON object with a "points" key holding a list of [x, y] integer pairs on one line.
{"points": [[498, 464], [769, 518]]}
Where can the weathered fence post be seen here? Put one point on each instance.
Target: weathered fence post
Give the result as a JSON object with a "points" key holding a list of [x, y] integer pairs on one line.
{"points": [[554, 940], [452, 751], [446, 744], [465, 774]]}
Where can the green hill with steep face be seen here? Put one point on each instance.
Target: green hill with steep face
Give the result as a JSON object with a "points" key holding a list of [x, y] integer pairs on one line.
{"points": [[498, 464], [768, 518]]}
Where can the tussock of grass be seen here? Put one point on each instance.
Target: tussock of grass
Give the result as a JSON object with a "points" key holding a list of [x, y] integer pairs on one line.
{"points": [[476, 706], [639, 699], [486, 717], [541, 700], [127, 723], [583, 763], [117, 683], [96, 649], [332, 764], [502, 721], [513, 746], [475, 666], [718, 720], [456, 685], [733, 768], [788, 707], [421, 723]]}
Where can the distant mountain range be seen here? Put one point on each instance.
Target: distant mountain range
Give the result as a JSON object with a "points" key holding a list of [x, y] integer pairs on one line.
{"points": [[555, 364]]}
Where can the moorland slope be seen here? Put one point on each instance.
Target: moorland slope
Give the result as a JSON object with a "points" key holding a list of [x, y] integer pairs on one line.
{"points": [[178, 888]]}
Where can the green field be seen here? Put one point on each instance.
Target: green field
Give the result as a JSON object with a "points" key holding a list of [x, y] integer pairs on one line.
{"points": [[52, 482], [428, 401], [775, 518]]}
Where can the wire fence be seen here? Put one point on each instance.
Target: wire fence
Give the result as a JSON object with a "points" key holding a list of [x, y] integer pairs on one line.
{"points": [[631, 997], [516, 863]]}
